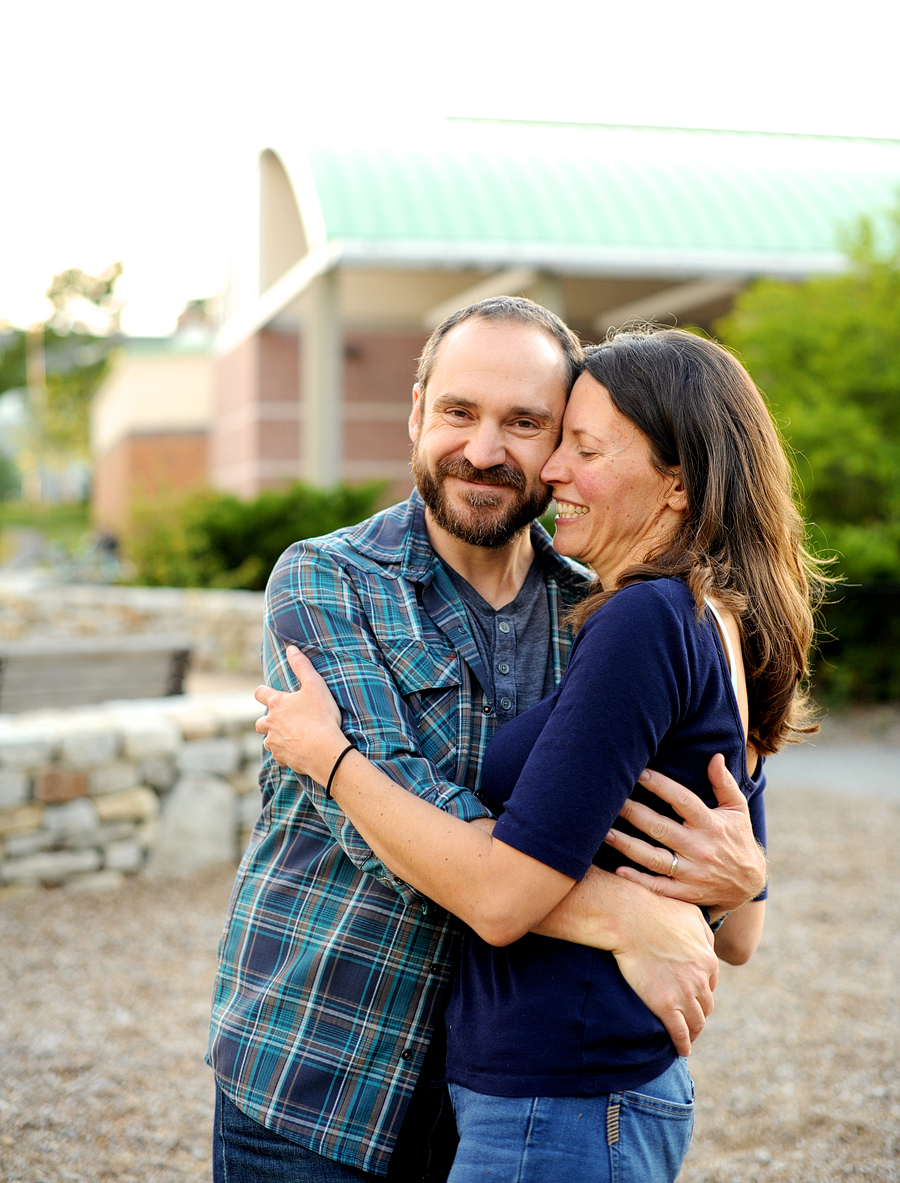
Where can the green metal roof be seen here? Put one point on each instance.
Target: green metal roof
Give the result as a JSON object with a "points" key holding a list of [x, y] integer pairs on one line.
{"points": [[597, 198]]}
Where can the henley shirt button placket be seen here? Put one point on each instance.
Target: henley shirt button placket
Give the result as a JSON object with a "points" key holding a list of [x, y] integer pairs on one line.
{"points": [[487, 709], [506, 651], [406, 1054]]}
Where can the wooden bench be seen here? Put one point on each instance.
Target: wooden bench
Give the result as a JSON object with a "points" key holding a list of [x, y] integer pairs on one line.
{"points": [[77, 671]]}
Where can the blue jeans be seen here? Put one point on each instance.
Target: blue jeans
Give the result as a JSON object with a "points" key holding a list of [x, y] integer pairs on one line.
{"points": [[246, 1152], [633, 1137]]}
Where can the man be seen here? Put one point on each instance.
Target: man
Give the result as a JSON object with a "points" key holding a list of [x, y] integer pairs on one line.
{"points": [[433, 622]]}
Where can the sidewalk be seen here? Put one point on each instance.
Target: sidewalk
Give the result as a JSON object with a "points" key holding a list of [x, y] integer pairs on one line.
{"points": [[857, 754]]}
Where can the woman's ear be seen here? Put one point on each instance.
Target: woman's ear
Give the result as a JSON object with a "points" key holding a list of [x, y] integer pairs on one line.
{"points": [[676, 498]]}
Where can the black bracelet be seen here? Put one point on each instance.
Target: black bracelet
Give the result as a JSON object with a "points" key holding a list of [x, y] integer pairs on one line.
{"points": [[351, 747]]}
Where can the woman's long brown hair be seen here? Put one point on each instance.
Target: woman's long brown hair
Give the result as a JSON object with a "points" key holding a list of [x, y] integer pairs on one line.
{"points": [[741, 541]]}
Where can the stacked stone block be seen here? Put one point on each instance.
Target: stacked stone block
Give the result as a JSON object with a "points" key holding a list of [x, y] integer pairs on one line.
{"points": [[225, 626], [89, 796]]}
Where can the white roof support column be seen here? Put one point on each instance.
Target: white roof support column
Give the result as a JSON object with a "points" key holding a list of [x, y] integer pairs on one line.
{"points": [[322, 376]]}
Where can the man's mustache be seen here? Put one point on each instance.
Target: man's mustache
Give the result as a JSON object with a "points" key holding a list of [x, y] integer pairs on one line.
{"points": [[500, 474]]}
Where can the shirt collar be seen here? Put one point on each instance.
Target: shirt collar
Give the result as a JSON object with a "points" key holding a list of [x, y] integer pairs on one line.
{"points": [[399, 537]]}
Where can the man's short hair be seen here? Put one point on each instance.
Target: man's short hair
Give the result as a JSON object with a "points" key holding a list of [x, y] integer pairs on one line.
{"points": [[515, 309]]}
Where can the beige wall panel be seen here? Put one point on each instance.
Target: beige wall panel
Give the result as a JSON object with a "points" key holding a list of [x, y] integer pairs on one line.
{"points": [[395, 297], [282, 241], [150, 392]]}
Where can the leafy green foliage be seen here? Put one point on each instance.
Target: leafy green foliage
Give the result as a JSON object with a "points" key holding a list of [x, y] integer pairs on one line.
{"points": [[211, 539], [77, 341], [826, 354], [10, 478]]}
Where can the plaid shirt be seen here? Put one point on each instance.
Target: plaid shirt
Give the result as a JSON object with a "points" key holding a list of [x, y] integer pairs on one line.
{"points": [[332, 972]]}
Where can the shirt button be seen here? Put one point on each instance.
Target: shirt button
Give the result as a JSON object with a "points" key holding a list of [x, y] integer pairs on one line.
{"points": [[434, 968], [503, 667], [487, 709], [506, 703], [406, 1054], [426, 909], [503, 626], [478, 794]]}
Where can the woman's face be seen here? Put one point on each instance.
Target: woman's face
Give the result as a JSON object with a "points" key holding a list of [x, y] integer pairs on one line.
{"points": [[613, 506]]}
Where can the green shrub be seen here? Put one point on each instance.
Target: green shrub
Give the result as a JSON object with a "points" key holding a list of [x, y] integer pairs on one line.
{"points": [[212, 539], [826, 354]]}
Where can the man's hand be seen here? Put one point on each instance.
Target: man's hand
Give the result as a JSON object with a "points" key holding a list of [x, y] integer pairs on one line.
{"points": [[669, 961], [720, 864], [664, 948]]}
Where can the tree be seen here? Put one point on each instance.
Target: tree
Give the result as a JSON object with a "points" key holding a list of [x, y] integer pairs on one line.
{"points": [[826, 353], [63, 361]]}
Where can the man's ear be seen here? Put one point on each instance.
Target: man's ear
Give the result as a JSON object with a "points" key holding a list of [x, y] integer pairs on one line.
{"points": [[416, 411]]}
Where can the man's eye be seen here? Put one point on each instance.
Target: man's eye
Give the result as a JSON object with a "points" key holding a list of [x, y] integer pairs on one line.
{"points": [[526, 425]]}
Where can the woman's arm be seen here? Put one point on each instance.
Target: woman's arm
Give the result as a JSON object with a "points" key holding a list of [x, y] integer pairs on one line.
{"points": [[663, 947], [495, 889], [739, 935]]}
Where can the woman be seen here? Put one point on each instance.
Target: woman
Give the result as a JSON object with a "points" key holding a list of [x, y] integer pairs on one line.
{"points": [[671, 483]]}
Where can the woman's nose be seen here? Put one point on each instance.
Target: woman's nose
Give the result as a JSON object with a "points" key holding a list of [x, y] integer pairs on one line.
{"points": [[555, 471]]}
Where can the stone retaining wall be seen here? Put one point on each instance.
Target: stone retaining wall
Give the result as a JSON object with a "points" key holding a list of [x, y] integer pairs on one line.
{"points": [[90, 795], [225, 627]]}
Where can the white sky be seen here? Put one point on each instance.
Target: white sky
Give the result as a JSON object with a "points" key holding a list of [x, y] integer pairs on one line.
{"points": [[127, 128]]}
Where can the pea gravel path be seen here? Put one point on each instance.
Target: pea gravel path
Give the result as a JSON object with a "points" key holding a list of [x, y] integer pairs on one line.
{"points": [[104, 1000]]}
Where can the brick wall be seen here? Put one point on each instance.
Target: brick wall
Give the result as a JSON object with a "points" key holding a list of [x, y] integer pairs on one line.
{"points": [[145, 466]]}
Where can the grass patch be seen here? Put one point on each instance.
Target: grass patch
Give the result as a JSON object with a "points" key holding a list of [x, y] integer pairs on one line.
{"points": [[62, 524]]}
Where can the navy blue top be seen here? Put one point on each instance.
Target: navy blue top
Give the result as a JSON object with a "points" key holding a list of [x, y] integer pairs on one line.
{"points": [[647, 686]]}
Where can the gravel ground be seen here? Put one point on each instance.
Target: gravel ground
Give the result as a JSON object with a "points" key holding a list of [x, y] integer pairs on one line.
{"points": [[104, 999]]}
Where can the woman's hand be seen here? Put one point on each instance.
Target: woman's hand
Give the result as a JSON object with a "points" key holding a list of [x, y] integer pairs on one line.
{"points": [[720, 864], [302, 728]]}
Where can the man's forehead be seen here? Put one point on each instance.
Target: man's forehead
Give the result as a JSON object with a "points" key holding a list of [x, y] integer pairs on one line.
{"points": [[521, 353]]}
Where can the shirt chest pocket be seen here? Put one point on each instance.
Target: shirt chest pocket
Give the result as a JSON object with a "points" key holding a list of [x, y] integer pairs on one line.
{"points": [[419, 668], [430, 680]]}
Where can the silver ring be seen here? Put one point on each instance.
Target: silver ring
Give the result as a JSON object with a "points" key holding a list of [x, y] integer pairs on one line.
{"points": [[674, 867]]}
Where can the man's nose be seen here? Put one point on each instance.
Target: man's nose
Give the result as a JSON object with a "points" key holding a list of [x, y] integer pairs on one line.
{"points": [[485, 446]]}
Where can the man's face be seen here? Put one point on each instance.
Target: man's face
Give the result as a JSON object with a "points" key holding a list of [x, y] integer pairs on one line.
{"points": [[488, 422]]}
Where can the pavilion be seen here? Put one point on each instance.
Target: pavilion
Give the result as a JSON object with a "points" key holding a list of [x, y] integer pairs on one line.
{"points": [[356, 249]]}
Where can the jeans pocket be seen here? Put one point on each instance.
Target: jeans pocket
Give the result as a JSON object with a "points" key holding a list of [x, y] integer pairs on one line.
{"points": [[673, 1087], [649, 1131]]}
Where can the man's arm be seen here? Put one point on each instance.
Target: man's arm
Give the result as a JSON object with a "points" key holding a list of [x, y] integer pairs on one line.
{"points": [[663, 948], [312, 602], [720, 864]]}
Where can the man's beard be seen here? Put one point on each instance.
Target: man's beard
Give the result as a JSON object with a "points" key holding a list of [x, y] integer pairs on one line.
{"points": [[492, 522]]}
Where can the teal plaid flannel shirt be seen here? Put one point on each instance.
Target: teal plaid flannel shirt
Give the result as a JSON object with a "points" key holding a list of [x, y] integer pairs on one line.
{"points": [[333, 973]]}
